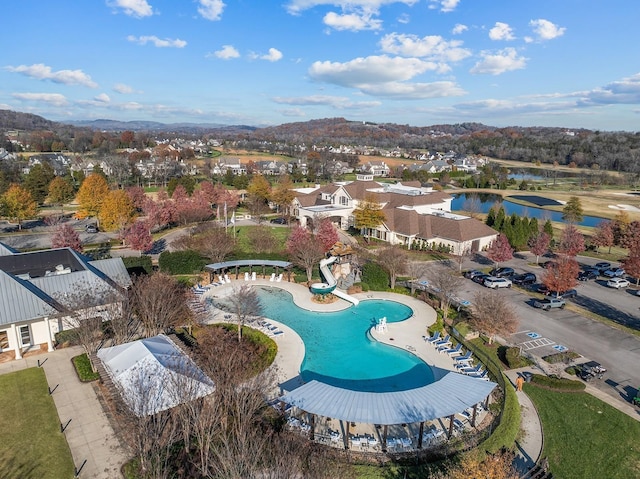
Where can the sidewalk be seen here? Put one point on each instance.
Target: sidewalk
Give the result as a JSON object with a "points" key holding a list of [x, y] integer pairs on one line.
{"points": [[530, 444], [89, 434]]}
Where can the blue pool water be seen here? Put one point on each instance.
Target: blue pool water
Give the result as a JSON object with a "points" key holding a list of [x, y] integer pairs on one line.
{"points": [[338, 349]]}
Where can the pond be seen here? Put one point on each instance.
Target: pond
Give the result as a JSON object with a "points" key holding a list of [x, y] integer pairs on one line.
{"points": [[487, 200]]}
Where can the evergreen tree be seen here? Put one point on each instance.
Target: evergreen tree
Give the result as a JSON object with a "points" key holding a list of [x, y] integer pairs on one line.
{"points": [[548, 228], [500, 218], [491, 217]]}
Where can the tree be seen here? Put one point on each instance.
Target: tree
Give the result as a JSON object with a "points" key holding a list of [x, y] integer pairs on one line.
{"points": [[603, 235], [92, 192], [539, 244], [548, 228], [500, 250], [304, 250], [631, 237], [326, 233], [210, 240], [64, 236], [60, 192], [244, 304], [116, 212], [259, 194], [631, 265], [572, 211], [137, 237], [491, 314], [562, 275], [37, 181], [262, 239], [571, 242], [620, 225], [283, 194], [159, 302], [368, 215], [137, 196], [445, 284], [393, 260], [18, 204]]}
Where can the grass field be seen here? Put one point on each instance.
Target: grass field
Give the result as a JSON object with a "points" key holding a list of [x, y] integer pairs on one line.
{"points": [[32, 445], [585, 437]]}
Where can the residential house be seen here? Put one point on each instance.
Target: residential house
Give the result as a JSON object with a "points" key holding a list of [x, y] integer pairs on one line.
{"points": [[43, 292], [376, 168]]}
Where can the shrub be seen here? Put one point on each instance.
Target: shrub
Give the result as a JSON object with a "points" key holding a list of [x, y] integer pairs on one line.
{"points": [[67, 337], [557, 384], [437, 326], [375, 276], [565, 357], [181, 262], [83, 368], [513, 359], [504, 436], [134, 263]]}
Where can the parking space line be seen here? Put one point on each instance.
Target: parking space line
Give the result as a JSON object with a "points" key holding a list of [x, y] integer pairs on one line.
{"points": [[536, 343]]}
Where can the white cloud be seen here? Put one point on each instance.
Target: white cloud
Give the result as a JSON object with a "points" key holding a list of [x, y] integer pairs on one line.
{"points": [[444, 5], [459, 28], [44, 72], [157, 42], [352, 21], [226, 52], [338, 102], [123, 89], [404, 18], [55, 99], [500, 62], [293, 112], [545, 30], [625, 91], [433, 47], [102, 98], [211, 9], [295, 7], [133, 8], [501, 31], [408, 91], [273, 56]]}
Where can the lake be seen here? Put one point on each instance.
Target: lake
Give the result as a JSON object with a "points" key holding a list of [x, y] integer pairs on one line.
{"points": [[487, 200]]}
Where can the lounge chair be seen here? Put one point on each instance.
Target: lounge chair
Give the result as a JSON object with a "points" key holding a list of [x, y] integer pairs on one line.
{"points": [[279, 278], [226, 278], [482, 375], [253, 276], [465, 358], [246, 276], [434, 338], [273, 277], [471, 370], [442, 342], [453, 351], [222, 281]]}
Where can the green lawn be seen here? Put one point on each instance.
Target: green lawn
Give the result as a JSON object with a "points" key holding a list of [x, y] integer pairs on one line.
{"points": [[32, 445], [585, 437]]}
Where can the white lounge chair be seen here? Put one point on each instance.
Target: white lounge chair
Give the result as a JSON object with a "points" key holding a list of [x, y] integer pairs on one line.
{"points": [[273, 277], [253, 276], [246, 276], [222, 281], [466, 357], [226, 278], [433, 339], [279, 278]]}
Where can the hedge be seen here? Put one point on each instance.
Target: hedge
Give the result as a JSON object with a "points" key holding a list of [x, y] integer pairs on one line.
{"points": [[505, 434], [135, 262], [181, 262], [375, 276]]}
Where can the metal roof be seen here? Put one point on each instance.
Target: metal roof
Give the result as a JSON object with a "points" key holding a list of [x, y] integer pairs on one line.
{"points": [[452, 394], [6, 250], [21, 301], [115, 269], [248, 262]]}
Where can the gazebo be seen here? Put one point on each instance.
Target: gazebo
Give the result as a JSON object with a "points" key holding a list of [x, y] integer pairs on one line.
{"points": [[444, 398]]}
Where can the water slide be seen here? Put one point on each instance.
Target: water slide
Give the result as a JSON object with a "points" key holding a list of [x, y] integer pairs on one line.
{"points": [[330, 285]]}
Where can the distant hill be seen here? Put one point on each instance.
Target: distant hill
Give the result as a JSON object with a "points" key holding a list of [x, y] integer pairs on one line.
{"points": [[15, 120]]}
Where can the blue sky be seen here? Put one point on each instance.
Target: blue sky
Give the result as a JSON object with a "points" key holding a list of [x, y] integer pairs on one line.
{"points": [[567, 63]]}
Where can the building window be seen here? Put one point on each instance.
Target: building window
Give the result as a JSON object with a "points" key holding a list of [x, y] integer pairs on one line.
{"points": [[4, 340], [344, 201], [25, 335]]}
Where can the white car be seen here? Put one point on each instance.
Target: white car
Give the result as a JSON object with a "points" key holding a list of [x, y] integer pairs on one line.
{"points": [[493, 282], [617, 283]]}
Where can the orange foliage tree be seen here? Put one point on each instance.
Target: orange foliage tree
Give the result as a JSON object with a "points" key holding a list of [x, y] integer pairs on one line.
{"points": [[91, 194]]}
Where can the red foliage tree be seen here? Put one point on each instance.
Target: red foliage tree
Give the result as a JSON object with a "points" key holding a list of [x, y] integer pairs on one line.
{"points": [[327, 234], [631, 237], [305, 250], [137, 196], [161, 212], [137, 237], [539, 244], [64, 236], [571, 242], [500, 250], [603, 235], [632, 266], [562, 275], [209, 191]]}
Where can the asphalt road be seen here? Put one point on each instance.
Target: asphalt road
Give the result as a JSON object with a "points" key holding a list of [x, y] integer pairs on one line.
{"points": [[544, 332]]}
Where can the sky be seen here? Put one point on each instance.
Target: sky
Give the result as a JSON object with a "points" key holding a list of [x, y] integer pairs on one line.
{"points": [[562, 63]]}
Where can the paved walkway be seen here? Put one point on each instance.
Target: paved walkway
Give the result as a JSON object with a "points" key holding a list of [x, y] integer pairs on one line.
{"points": [[89, 434]]}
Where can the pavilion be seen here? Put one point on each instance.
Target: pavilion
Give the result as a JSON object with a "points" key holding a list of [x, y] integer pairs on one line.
{"points": [[223, 267]]}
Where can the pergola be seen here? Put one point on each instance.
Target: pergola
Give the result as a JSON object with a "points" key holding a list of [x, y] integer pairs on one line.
{"points": [[446, 397], [224, 266]]}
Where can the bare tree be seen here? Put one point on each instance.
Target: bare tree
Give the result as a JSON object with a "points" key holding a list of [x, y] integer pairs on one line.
{"points": [[159, 303], [492, 314], [445, 284], [210, 240], [394, 260], [262, 239], [244, 303], [124, 326]]}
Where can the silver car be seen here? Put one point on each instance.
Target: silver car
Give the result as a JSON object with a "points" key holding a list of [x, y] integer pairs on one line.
{"points": [[494, 282]]}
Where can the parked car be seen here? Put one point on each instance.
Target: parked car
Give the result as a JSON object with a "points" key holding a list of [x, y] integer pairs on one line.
{"points": [[588, 274], [602, 267], [91, 229], [502, 272], [524, 278], [279, 221], [549, 303], [570, 293], [614, 273], [549, 264], [495, 282], [472, 273], [618, 283], [480, 278]]}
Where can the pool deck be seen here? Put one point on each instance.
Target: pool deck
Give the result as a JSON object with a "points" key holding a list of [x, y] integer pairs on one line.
{"points": [[407, 335]]}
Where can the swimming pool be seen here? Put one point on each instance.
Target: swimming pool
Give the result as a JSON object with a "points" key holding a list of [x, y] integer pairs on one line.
{"points": [[339, 350]]}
